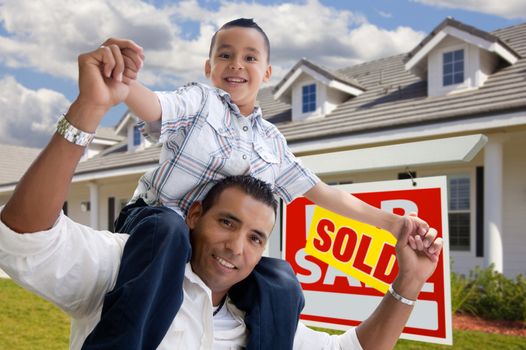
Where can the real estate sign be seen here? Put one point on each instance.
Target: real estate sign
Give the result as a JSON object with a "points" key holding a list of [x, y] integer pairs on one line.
{"points": [[356, 262]]}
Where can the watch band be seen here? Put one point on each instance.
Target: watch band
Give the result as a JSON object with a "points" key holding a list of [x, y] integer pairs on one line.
{"points": [[401, 298], [72, 134]]}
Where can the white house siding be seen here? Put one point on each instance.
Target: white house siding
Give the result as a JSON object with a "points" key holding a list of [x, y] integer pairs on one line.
{"points": [[514, 204]]}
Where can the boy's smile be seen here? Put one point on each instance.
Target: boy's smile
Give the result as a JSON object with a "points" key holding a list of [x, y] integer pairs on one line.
{"points": [[239, 65]]}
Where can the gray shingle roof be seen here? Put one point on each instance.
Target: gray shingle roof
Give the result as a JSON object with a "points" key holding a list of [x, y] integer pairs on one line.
{"points": [[14, 161], [396, 98]]}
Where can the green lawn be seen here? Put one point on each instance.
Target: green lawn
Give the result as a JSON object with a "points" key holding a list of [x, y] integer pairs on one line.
{"points": [[28, 322]]}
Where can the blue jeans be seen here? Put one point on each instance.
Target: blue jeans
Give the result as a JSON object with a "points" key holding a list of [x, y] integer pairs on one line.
{"points": [[137, 313]]}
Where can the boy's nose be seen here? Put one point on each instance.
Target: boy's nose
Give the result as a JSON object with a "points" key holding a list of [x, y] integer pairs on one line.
{"points": [[236, 64]]}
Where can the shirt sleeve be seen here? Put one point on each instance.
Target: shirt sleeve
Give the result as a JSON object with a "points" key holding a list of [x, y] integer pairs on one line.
{"points": [[293, 179], [71, 265], [309, 339], [177, 110]]}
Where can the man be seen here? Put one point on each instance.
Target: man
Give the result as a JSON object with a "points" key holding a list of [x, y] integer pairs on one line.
{"points": [[75, 266]]}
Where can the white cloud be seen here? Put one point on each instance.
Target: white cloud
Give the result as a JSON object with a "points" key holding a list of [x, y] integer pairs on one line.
{"points": [[48, 35], [28, 116], [385, 14], [511, 9]]}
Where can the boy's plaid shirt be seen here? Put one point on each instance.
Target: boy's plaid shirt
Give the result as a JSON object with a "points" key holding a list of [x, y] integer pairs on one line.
{"points": [[204, 139]]}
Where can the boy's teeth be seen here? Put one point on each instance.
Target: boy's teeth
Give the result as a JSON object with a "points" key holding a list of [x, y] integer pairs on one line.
{"points": [[236, 80]]}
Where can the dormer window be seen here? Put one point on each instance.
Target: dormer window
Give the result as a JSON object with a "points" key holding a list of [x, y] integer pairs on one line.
{"points": [[453, 67], [309, 98], [136, 136]]}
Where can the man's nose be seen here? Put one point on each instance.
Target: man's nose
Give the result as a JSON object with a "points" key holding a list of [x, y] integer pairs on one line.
{"points": [[235, 244]]}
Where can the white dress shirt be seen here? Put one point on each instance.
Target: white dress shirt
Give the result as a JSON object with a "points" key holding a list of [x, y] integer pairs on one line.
{"points": [[74, 266]]}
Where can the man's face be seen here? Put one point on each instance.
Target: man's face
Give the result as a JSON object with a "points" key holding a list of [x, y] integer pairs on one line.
{"points": [[228, 240], [239, 65]]}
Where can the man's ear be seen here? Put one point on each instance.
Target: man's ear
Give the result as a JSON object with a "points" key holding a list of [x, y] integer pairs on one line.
{"points": [[194, 213], [268, 73], [208, 68]]}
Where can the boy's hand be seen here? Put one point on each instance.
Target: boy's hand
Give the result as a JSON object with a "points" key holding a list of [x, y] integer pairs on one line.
{"points": [[131, 54]]}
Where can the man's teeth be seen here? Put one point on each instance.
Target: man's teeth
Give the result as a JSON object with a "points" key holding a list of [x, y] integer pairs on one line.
{"points": [[225, 263]]}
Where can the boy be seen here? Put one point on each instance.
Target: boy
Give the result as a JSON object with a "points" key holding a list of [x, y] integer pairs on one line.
{"points": [[209, 133]]}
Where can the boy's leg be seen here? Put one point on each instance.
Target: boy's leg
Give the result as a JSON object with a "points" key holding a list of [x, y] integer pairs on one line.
{"points": [[273, 299], [137, 313]]}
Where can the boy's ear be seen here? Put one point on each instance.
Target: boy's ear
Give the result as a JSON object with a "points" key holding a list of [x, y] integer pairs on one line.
{"points": [[207, 68], [194, 213], [268, 73]]}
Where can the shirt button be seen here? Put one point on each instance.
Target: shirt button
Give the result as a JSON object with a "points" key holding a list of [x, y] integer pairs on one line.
{"points": [[244, 156], [245, 128]]}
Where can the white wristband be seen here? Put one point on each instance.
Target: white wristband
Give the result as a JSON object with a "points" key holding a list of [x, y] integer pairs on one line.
{"points": [[401, 298], [72, 134]]}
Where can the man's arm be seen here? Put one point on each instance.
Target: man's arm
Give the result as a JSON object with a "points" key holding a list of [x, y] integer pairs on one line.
{"points": [[39, 196], [383, 328], [347, 205]]}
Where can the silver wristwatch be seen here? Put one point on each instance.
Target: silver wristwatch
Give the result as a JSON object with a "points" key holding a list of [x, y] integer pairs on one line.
{"points": [[72, 134]]}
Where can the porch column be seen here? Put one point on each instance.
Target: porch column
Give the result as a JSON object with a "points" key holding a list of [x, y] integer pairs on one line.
{"points": [[493, 204], [94, 205]]}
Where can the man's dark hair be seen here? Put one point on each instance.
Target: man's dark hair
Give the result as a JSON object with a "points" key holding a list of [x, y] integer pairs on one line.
{"points": [[244, 23], [257, 189]]}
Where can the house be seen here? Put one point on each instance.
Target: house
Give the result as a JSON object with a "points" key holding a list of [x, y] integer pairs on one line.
{"points": [[455, 105]]}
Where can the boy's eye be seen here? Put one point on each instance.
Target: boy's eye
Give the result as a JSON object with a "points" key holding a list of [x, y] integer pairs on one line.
{"points": [[251, 59], [224, 55]]}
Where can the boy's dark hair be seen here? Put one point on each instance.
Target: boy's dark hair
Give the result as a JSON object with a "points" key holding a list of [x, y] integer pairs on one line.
{"points": [[255, 188], [244, 23]]}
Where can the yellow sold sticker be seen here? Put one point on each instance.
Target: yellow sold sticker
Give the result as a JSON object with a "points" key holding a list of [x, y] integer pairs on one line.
{"points": [[362, 251]]}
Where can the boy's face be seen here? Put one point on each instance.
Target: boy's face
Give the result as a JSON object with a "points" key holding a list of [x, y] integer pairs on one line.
{"points": [[239, 65]]}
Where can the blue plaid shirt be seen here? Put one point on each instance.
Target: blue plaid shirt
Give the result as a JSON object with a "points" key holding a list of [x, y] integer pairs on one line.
{"points": [[204, 139]]}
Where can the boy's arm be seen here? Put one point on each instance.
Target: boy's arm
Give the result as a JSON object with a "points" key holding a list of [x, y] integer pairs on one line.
{"points": [[143, 102], [347, 205]]}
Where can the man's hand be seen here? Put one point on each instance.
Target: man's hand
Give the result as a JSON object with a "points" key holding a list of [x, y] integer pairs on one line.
{"points": [[417, 256], [104, 78]]}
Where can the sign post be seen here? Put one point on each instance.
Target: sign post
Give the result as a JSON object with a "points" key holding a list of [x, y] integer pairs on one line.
{"points": [[355, 263]]}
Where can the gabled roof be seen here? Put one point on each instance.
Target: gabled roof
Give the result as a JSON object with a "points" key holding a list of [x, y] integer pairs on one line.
{"points": [[14, 161], [395, 98], [331, 79], [416, 59], [120, 127], [105, 133]]}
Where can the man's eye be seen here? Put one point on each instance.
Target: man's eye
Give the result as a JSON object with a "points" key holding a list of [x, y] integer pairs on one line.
{"points": [[226, 222], [256, 239]]}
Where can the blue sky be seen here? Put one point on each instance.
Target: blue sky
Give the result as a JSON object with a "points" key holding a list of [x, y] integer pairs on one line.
{"points": [[40, 41]]}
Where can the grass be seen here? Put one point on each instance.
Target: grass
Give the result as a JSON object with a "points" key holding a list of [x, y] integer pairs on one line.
{"points": [[29, 322]]}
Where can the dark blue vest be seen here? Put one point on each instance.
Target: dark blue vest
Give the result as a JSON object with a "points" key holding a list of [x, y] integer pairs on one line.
{"points": [[137, 313]]}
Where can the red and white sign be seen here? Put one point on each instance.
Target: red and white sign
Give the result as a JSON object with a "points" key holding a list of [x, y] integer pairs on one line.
{"points": [[338, 301]]}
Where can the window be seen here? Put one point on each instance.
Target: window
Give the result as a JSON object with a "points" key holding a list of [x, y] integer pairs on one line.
{"points": [[459, 213], [309, 98], [453, 67], [136, 136]]}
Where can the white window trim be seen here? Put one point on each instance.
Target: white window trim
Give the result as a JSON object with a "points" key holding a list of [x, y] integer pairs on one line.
{"points": [[467, 68], [470, 173], [315, 112]]}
